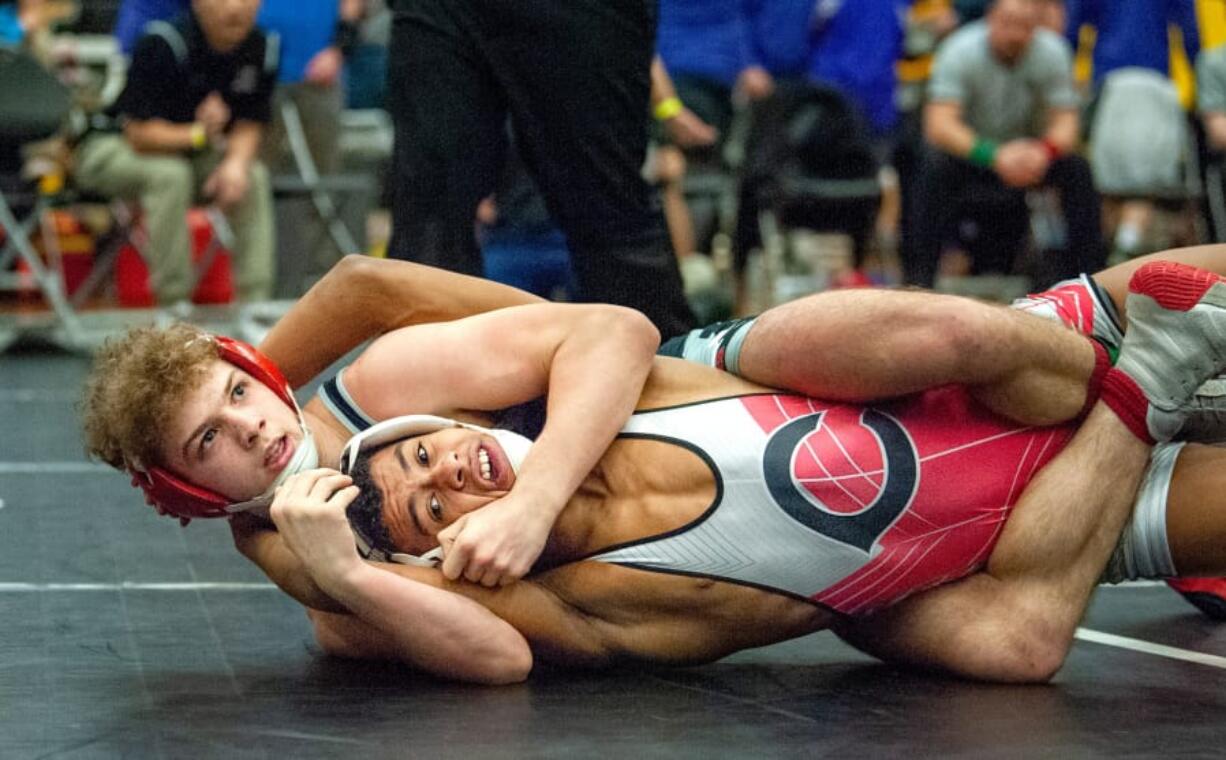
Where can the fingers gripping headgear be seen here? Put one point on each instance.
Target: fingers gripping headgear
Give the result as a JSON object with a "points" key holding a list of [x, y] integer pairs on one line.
{"points": [[181, 498], [513, 444]]}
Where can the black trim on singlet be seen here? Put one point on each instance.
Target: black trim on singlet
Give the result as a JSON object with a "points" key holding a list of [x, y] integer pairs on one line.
{"points": [[700, 402], [355, 418], [706, 514], [1108, 305], [725, 579]]}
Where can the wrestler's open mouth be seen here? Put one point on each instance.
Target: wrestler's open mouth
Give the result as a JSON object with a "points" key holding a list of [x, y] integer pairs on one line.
{"points": [[279, 453], [490, 464]]}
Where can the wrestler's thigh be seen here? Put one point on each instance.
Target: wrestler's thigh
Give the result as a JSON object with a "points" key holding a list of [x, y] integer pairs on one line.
{"points": [[860, 345], [1196, 511]]}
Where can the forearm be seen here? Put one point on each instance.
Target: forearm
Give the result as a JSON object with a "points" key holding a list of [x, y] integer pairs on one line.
{"points": [[945, 130], [661, 83], [433, 629], [161, 136], [243, 142], [1063, 128], [595, 380], [264, 547], [361, 298]]}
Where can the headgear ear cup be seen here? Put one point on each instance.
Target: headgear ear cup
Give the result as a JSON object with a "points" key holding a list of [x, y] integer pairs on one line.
{"points": [[180, 498]]}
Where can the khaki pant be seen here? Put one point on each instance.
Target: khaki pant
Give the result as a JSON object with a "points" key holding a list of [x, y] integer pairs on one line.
{"points": [[166, 185]]}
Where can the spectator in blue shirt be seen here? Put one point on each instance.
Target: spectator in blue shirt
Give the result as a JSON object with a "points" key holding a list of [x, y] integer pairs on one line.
{"points": [[856, 47], [134, 14], [1133, 33]]}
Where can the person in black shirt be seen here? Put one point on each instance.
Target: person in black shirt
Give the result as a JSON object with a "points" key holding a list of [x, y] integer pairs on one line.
{"points": [[187, 128]]}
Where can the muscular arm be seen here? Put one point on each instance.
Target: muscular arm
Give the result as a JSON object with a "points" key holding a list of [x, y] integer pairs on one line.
{"points": [[431, 628], [362, 297], [553, 629], [589, 360]]}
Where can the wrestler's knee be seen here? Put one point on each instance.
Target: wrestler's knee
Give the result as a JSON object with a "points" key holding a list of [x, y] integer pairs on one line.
{"points": [[952, 332], [1031, 649]]}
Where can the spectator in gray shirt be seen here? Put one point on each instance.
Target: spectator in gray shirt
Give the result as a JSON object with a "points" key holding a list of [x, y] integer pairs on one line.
{"points": [[1001, 118]]}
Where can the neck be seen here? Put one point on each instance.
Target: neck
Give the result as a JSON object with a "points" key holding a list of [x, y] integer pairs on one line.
{"points": [[330, 435]]}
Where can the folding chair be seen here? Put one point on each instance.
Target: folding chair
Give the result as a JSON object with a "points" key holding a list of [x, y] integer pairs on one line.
{"points": [[318, 188], [38, 105]]}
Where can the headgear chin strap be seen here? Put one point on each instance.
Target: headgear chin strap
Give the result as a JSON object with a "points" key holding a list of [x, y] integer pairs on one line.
{"points": [[181, 498], [513, 444]]}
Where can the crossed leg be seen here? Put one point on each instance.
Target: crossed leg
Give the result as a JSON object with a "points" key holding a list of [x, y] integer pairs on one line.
{"points": [[1015, 620], [866, 345]]}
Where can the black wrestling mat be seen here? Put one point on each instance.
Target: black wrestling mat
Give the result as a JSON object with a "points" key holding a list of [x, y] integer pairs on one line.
{"points": [[122, 635]]}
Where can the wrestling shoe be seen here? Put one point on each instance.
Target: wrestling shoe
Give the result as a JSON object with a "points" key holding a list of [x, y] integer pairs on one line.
{"points": [[1205, 594], [1205, 420], [1176, 340]]}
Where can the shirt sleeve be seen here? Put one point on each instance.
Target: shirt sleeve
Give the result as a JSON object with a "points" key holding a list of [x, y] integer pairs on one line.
{"points": [[1058, 90], [1211, 81], [151, 76], [257, 104], [949, 71]]}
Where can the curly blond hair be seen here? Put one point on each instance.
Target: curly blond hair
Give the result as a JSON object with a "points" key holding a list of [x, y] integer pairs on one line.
{"points": [[135, 384]]}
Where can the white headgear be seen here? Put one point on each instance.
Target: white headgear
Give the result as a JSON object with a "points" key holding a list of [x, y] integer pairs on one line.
{"points": [[513, 444]]}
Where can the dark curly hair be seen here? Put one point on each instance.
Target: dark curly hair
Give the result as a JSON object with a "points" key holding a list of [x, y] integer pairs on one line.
{"points": [[365, 513]]}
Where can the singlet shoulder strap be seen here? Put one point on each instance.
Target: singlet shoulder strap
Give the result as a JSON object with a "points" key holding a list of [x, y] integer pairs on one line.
{"points": [[342, 406]]}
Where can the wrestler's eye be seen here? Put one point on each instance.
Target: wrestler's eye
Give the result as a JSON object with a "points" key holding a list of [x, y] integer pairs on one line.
{"points": [[206, 440], [436, 509], [422, 457]]}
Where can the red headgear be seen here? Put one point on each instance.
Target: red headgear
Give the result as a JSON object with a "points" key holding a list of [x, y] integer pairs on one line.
{"points": [[181, 498]]}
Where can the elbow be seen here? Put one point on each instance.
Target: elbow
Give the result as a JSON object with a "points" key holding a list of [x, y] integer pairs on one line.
{"points": [[355, 268], [635, 329], [510, 668]]}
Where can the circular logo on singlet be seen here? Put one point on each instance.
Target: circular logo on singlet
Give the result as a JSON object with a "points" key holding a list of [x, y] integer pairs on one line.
{"points": [[824, 475]]}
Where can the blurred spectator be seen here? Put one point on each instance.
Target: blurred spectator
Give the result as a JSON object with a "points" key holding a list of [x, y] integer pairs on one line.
{"points": [[315, 38], [575, 78], [21, 18], [1211, 95], [969, 11], [522, 245], [1002, 117], [191, 116], [856, 48], [1138, 131], [1211, 106], [705, 47], [134, 14], [1133, 33], [366, 65], [680, 128], [780, 37]]}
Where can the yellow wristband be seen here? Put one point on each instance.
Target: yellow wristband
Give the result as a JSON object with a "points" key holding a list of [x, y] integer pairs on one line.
{"points": [[200, 137], [667, 108]]}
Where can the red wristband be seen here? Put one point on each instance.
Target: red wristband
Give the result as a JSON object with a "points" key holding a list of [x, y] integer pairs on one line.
{"points": [[1053, 150]]}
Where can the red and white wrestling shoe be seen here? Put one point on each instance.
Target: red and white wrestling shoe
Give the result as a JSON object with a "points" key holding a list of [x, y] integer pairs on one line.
{"points": [[1205, 594], [1176, 340]]}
